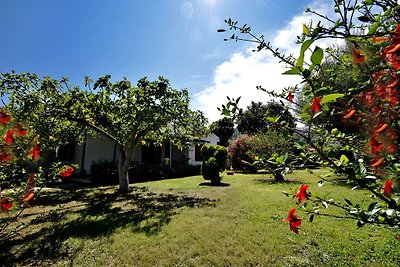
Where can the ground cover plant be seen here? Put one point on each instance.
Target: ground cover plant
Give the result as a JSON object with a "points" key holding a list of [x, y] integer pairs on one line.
{"points": [[179, 222]]}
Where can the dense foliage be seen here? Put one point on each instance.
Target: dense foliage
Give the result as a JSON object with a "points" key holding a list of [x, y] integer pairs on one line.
{"points": [[254, 118], [224, 129], [121, 112], [363, 147]]}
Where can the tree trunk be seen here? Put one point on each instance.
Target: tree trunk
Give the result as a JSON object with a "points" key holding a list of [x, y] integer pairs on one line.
{"points": [[278, 177], [123, 170]]}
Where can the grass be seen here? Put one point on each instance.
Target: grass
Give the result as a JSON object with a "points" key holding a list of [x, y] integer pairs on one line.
{"points": [[179, 222]]}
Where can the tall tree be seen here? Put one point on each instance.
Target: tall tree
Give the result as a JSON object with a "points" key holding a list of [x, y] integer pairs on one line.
{"points": [[223, 128], [122, 113], [255, 118]]}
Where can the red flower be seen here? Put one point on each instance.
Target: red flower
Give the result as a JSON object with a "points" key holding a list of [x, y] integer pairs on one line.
{"points": [[302, 193], [376, 162], [5, 156], [387, 188], [6, 204], [28, 197], [31, 181], [358, 56], [290, 97], [349, 113], [9, 139], [380, 128], [391, 134], [35, 152], [376, 146], [316, 104], [20, 130], [294, 221], [4, 117], [391, 149], [66, 171]]}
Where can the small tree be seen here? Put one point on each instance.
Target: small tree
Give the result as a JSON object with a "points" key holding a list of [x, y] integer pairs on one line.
{"points": [[214, 162], [273, 152], [120, 112], [238, 154]]}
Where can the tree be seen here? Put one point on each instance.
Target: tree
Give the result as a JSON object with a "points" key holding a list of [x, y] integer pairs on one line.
{"points": [[252, 120], [223, 128], [375, 103], [122, 113], [255, 118]]}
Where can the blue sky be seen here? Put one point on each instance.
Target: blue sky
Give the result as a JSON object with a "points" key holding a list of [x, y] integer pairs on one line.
{"points": [[176, 39]]}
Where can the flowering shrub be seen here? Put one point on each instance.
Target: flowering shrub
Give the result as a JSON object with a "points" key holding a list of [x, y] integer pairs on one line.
{"points": [[368, 149], [21, 176]]}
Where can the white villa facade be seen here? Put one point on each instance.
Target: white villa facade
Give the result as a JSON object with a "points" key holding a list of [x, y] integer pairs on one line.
{"points": [[99, 149]]}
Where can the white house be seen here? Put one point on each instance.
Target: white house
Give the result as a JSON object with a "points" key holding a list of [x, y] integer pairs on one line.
{"points": [[100, 149]]}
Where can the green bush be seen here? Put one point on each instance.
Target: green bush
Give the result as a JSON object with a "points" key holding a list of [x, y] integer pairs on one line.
{"points": [[214, 161], [210, 170]]}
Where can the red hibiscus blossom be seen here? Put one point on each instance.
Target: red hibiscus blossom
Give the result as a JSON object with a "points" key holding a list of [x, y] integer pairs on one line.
{"points": [[294, 221], [290, 97], [9, 139], [35, 152], [302, 193], [387, 188], [358, 56], [376, 162], [349, 113], [391, 149], [66, 171], [6, 204], [5, 156], [4, 117], [316, 104], [28, 197], [20, 130], [381, 127], [376, 146]]}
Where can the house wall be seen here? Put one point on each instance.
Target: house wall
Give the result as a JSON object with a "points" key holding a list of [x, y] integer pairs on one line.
{"points": [[97, 149], [212, 140]]}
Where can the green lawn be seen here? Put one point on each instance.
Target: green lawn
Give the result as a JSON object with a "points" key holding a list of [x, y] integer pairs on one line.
{"points": [[182, 223]]}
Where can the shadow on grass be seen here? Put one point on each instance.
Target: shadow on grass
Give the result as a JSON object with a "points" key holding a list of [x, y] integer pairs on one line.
{"points": [[87, 214], [211, 184]]}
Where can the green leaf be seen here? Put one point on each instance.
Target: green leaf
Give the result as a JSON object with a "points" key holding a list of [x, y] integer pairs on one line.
{"points": [[306, 30], [317, 56], [344, 160], [225, 112], [375, 26], [303, 49], [294, 70], [330, 98]]}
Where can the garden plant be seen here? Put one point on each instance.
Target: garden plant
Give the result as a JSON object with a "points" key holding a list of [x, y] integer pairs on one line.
{"points": [[366, 140]]}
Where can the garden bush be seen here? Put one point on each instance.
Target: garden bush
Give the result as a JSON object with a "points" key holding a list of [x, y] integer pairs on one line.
{"points": [[214, 161]]}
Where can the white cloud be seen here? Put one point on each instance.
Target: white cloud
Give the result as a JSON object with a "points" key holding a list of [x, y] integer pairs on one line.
{"points": [[244, 71]]}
